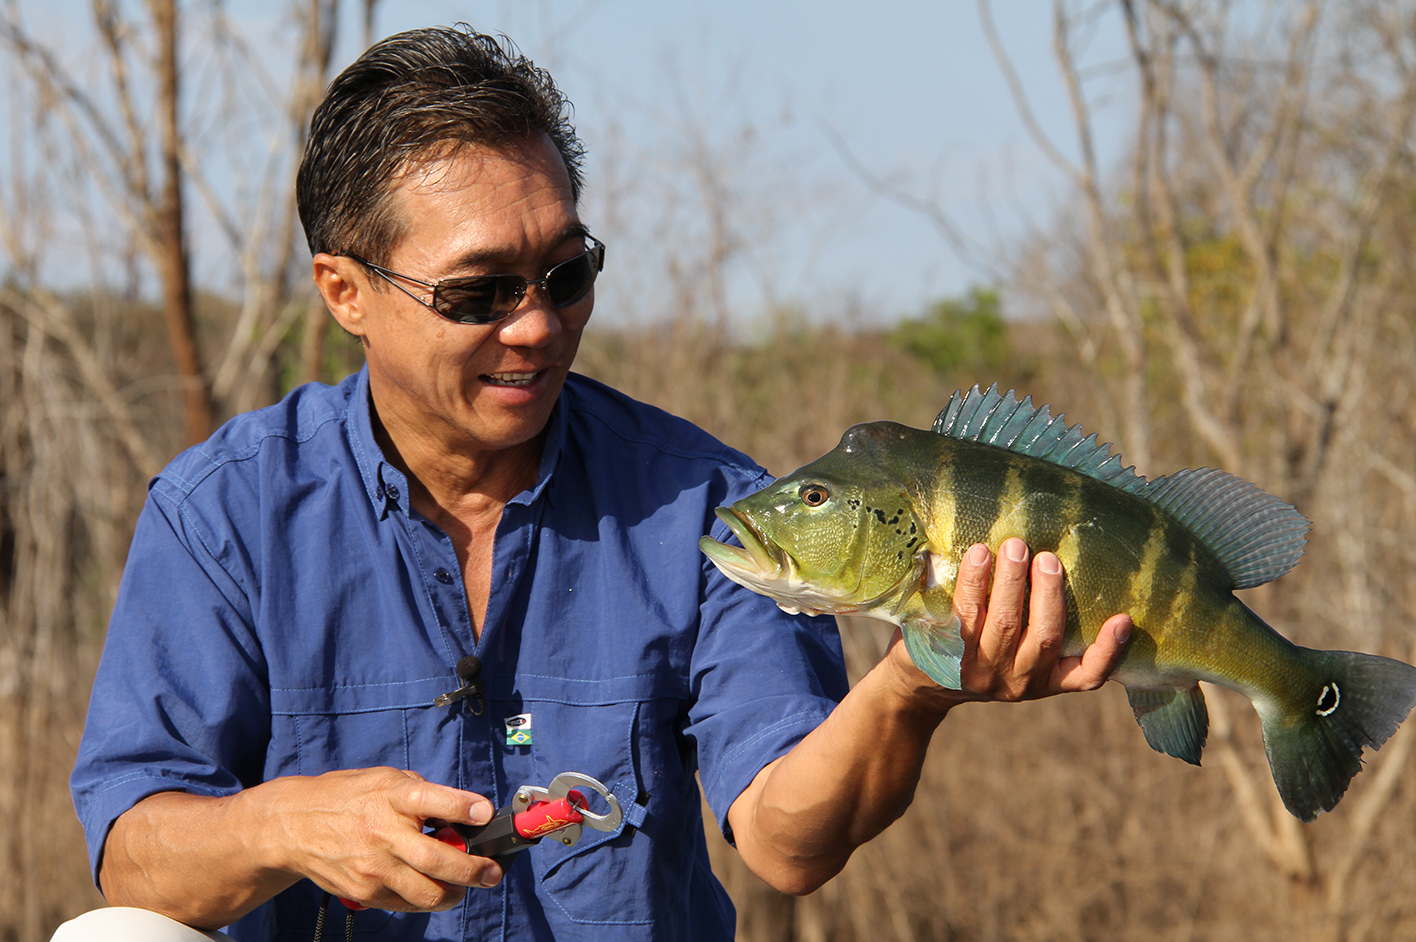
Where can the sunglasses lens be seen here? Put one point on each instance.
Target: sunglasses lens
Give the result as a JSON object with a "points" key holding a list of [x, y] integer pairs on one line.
{"points": [[479, 300], [492, 297], [571, 280]]}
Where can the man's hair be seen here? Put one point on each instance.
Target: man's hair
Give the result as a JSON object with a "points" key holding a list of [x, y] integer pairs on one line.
{"points": [[417, 96]]}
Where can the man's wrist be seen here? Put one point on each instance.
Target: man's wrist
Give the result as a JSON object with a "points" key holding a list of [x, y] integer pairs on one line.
{"points": [[913, 692]]}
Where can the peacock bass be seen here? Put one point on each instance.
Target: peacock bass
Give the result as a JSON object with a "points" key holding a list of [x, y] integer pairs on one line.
{"points": [[877, 527]]}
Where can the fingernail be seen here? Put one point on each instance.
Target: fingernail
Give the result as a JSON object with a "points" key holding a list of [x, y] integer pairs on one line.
{"points": [[977, 555], [491, 876], [1016, 550], [1048, 563], [1123, 631], [480, 812]]}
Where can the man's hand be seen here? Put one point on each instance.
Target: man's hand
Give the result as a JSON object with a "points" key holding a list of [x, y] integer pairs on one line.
{"points": [[358, 834], [1013, 635]]}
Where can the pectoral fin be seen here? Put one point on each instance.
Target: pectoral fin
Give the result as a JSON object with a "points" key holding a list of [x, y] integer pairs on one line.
{"points": [[937, 648], [1174, 719]]}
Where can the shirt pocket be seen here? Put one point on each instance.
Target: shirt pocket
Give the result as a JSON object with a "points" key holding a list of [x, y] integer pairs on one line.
{"points": [[623, 732], [360, 726]]}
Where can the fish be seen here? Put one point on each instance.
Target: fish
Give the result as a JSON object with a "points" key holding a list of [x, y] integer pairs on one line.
{"points": [[877, 527]]}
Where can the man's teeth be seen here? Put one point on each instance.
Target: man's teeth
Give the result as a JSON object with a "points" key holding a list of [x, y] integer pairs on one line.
{"points": [[511, 379]]}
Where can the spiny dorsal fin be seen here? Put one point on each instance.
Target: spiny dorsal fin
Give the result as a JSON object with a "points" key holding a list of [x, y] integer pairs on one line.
{"points": [[995, 419], [1256, 536]]}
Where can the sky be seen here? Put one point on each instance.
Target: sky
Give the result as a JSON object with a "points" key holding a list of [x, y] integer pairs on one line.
{"points": [[771, 131], [834, 96]]}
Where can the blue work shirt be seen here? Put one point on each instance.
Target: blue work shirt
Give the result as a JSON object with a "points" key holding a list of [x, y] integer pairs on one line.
{"points": [[284, 611]]}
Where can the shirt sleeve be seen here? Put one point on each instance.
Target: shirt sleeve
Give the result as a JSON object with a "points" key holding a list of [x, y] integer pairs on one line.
{"points": [[180, 701], [762, 681]]}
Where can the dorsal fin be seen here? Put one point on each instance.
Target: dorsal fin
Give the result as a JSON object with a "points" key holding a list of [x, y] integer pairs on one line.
{"points": [[1256, 536], [995, 419]]}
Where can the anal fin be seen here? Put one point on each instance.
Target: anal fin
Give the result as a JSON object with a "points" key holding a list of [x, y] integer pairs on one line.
{"points": [[1174, 719]]}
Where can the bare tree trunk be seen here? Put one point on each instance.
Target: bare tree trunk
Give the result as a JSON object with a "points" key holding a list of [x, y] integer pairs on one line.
{"points": [[199, 416]]}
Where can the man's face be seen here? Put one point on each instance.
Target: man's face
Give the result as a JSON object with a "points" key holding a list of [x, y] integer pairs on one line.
{"points": [[463, 388]]}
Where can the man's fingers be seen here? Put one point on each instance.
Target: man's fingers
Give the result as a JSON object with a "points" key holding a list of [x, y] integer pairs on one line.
{"points": [[421, 874], [360, 834], [426, 800], [1101, 657], [971, 591], [1007, 605], [1014, 625], [1041, 643]]}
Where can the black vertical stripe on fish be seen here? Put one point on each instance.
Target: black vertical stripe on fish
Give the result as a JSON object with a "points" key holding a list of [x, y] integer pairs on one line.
{"points": [[980, 481]]}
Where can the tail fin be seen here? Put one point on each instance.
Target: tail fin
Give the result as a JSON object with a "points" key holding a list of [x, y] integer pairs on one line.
{"points": [[1313, 752]]}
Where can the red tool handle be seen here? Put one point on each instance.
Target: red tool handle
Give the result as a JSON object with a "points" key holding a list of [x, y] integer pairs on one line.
{"points": [[543, 817]]}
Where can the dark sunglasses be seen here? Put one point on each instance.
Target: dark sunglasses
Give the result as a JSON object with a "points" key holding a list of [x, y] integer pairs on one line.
{"points": [[486, 299]]}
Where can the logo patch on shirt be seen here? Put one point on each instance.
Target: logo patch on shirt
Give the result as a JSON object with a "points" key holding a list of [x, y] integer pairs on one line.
{"points": [[518, 730]]}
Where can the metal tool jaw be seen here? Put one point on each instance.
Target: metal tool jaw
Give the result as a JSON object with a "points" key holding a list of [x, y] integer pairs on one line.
{"points": [[564, 786]]}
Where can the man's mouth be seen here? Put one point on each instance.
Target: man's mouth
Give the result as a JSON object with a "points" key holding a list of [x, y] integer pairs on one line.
{"points": [[510, 379]]}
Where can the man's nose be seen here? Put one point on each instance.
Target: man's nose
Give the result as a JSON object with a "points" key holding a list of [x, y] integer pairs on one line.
{"points": [[534, 323]]}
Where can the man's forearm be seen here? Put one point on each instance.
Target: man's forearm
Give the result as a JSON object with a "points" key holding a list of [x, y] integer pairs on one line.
{"points": [[194, 858], [853, 776]]}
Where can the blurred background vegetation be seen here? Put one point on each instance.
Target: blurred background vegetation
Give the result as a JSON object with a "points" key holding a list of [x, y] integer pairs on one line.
{"points": [[1237, 291]]}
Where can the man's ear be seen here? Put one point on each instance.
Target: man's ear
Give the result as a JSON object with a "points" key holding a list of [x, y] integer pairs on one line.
{"points": [[343, 290]]}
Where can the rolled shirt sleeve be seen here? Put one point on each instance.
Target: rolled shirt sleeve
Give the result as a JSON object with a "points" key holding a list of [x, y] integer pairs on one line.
{"points": [[187, 708]]}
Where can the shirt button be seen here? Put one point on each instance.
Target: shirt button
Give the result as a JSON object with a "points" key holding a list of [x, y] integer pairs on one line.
{"points": [[392, 492], [443, 576], [379, 494]]}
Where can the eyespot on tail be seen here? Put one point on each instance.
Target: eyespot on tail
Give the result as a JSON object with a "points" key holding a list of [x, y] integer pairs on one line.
{"points": [[1316, 749]]}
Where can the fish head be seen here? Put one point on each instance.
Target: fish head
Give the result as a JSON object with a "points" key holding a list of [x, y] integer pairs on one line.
{"points": [[837, 536]]}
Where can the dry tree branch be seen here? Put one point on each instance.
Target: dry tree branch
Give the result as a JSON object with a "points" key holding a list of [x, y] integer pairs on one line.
{"points": [[131, 160], [46, 314], [1237, 178], [1020, 99], [965, 247], [81, 112], [1113, 276], [1120, 299], [1157, 203]]}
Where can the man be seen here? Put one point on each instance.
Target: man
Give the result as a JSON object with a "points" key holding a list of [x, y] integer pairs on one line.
{"points": [[300, 588]]}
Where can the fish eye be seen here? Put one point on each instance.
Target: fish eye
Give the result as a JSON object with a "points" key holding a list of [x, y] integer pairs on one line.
{"points": [[814, 495]]}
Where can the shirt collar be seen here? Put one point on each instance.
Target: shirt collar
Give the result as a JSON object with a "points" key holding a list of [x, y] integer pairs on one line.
{"points": [[551, 451], [387, 486]]}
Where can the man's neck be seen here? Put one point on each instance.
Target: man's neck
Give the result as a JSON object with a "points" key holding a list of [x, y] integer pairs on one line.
{"points": [[448, 476]]}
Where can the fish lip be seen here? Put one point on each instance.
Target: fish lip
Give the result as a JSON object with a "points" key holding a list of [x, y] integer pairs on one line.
{"points": [[763, 556]]}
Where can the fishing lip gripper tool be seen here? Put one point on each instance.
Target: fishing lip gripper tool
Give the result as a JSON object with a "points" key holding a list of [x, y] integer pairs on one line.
{"points": [[533, 813], [559, 809]]}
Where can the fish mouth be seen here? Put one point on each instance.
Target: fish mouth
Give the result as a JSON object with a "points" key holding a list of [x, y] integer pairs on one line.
{"points": [[766, 569], [756, 556]]}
